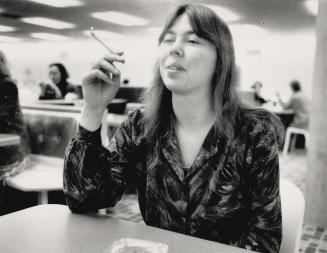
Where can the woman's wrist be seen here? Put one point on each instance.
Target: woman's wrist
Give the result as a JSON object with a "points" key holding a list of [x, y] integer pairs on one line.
{"points": [[91, 118]]}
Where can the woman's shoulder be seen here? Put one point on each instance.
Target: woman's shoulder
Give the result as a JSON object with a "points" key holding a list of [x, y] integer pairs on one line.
{"points": [[260, 122], [8, 83], [134, 118], [9, 87], [133, 126]]}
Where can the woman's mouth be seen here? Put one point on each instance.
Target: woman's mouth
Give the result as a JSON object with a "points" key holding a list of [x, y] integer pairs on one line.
{"points": [[175, 67]]}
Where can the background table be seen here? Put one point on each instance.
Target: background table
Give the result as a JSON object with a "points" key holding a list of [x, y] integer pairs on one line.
{"points": [[44, 174], [53, 228], [9, 139]]}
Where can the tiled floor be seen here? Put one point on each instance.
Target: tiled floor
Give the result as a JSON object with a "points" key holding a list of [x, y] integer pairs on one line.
{"points": [[292, 167]]}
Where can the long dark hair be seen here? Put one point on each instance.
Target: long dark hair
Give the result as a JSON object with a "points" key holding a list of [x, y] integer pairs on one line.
{"points": [[159, 116], [63, 71]]}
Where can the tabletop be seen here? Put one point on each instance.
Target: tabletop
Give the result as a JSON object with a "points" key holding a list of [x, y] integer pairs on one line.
{"points": [[9, 139], [44, 173], [53, 228]]}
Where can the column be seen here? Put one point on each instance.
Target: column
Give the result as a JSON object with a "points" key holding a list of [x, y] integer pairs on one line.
{"points": [[316, 176]]}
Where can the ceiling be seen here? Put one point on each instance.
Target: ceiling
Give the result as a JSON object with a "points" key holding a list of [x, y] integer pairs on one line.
{"points": [[273, 15]]}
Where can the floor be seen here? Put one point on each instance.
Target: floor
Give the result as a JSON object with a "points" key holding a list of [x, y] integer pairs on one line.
{"points": [[292, 167]]}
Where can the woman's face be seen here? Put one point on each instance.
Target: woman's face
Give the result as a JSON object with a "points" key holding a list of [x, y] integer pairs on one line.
{"points": [[54, 74], [187, 63]]}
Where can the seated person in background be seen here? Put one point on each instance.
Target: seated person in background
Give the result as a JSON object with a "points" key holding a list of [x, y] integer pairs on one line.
{"points": [[13, 158], [203, 164], [299, 103], [259, 100], [58, 87]]}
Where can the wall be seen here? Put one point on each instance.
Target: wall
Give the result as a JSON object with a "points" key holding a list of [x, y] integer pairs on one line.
{"points": [[274, 59]]}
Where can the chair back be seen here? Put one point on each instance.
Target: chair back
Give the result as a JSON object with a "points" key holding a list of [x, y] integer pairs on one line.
{"points": [[293, 206]]}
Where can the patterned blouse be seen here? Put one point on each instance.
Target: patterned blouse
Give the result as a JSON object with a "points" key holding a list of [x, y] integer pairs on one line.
{"points": [[230, 194]]}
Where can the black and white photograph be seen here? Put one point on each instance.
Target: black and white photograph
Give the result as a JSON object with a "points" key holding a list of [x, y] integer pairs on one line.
{"points": [[163, 126]]}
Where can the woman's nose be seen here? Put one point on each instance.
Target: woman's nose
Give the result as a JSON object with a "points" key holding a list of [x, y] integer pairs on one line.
{"points": [[177, 50]]}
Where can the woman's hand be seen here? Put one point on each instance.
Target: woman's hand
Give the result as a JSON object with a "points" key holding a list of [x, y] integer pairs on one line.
{"points": [[100, 86], [49, 90], [101, 83]]}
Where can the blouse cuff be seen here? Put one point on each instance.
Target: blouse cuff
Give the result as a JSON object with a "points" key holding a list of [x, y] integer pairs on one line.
{"points": [[86, 136]]}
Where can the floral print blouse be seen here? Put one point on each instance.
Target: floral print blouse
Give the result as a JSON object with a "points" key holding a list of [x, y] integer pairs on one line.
{"points": [[229, 195]]}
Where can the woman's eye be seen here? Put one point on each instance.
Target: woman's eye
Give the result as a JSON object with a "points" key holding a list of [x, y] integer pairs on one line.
{"points": [[168, 40], [193, 41]]}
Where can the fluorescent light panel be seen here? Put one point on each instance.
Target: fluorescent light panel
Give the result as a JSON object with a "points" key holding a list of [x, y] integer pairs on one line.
{"points": [[9, 39], [4, 28], [59, 3], [312, 6], [49, 36], [120, 18], [47, 22], [226, 14]]}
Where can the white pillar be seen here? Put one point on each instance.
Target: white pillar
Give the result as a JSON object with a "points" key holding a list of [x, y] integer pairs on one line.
{"points": [[316, 176]]}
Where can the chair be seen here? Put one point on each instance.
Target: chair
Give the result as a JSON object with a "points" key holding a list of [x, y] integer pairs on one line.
{"points": [[293, 205], [291, 144]]}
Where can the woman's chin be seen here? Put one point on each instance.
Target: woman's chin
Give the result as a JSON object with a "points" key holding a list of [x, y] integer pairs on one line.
{"points": [[176, 88]]}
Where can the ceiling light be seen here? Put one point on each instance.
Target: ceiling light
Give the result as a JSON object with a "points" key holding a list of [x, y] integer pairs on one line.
{"points": [[59, 3], [104, 34], [120, 18], [47, 22], [49, 36], [312, 6], [9, 39], [4, 28], [226, 14]]}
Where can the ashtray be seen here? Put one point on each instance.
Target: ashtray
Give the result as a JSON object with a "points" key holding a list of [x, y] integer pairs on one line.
{"points": [[129, 245]]}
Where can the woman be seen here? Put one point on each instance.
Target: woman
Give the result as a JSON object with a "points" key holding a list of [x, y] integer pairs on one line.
{"points": [[13, 158], [202, 164], [58, 87]]}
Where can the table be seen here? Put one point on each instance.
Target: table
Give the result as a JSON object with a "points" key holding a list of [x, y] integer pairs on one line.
{"points": [[9, 140], [43, 175], [55, 105], [53, 228]]}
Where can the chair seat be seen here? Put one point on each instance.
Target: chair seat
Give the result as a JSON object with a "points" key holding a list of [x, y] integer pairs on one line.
{"points": [[296, 130]]}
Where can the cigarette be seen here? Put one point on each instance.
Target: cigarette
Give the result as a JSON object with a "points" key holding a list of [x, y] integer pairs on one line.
{"points": [[100, 41]]}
